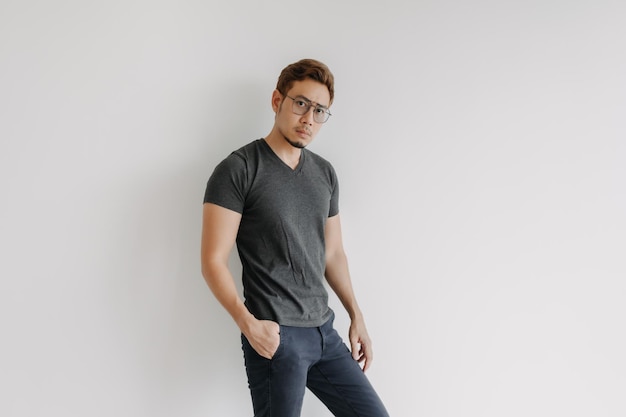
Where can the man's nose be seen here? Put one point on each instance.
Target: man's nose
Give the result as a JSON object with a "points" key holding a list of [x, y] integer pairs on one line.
{"points": [[308, 116]]}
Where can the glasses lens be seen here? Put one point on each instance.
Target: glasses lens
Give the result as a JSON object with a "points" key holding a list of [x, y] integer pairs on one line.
{"points": [[320, 115], [300, 106]]}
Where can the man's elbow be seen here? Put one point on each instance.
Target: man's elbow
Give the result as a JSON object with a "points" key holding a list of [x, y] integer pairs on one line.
{"points": [[335, 257], [209, 266]]}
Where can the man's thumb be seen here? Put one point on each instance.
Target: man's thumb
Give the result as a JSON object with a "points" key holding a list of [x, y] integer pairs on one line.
{"points": [[355, 349]]}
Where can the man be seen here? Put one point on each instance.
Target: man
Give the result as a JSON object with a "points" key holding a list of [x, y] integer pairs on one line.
{"points": [[279, 202]]}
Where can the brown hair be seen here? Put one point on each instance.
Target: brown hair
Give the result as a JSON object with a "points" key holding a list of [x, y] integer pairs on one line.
{"points": [[303, 69]]}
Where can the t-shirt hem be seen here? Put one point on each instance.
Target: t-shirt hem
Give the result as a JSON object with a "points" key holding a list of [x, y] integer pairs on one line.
{"points": [[307, 323]]}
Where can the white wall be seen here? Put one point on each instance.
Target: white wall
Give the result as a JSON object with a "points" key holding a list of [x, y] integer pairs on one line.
{"points": [[481, 152]]}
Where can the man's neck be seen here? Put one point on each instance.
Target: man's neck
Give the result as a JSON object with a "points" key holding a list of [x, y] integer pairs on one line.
{"points": [[289, 154]]}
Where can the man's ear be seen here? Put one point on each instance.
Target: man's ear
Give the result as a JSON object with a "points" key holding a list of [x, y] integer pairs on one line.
{"points": [[277, 98]]}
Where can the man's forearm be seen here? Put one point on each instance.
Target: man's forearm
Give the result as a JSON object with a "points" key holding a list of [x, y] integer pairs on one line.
{"points": [[338, 277], [222, 285]]}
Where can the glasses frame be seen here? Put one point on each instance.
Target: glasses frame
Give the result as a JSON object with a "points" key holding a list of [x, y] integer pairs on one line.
{"points": [[310, 104]]}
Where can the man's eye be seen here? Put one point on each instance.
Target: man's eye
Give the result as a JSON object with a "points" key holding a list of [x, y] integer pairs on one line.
{"points": [[301, 103], [320, 110]]}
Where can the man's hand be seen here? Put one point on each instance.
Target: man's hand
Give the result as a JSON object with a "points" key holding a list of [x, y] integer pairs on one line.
{"points": [[264, 337], [360, 343]]}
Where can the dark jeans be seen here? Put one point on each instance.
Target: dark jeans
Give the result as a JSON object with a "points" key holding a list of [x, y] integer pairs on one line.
{"points": [[314, 358]]}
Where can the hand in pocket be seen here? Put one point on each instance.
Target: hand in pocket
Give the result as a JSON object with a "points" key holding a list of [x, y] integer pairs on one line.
{"points": [[264, 337]]}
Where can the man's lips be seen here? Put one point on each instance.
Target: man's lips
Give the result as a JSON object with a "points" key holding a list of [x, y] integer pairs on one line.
{"points": [[303, 132]]}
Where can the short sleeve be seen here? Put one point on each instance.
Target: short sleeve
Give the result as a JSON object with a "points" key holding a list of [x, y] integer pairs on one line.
{"points": [[227, 185]]}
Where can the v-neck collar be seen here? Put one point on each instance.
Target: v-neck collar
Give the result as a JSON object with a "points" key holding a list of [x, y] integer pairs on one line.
{"points": [[298, 167]]}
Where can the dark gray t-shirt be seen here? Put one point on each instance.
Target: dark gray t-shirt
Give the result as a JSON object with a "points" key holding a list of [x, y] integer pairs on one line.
{"points": [[281, 235]]}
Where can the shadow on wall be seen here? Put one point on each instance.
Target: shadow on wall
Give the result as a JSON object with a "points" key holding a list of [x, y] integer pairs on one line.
{"points": [[177, 339]]}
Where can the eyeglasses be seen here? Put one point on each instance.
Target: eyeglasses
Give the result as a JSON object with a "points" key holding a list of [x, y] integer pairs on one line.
{"points": [[302, 105]]}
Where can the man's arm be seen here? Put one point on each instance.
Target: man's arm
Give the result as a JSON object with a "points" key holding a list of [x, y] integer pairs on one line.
{"points": [[219, 231], [338, 276]]}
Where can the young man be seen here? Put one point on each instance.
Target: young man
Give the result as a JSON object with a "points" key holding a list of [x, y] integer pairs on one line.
{"points": [[279, 202]]}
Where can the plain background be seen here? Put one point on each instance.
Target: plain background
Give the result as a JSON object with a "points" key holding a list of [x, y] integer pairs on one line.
{"points": [[481, 151]]}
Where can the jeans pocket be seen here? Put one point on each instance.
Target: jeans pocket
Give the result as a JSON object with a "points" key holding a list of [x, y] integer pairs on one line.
{"points": [[282, 336]]}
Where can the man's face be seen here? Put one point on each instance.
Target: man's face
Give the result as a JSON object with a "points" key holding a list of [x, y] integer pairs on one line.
{"points": [[299, 130]]}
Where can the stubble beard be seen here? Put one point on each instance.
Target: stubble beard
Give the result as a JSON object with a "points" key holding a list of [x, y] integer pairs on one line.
{"points": [[294, 143]]}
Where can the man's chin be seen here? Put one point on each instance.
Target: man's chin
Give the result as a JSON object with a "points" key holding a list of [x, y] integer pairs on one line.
{"points": [[296, 144]]}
